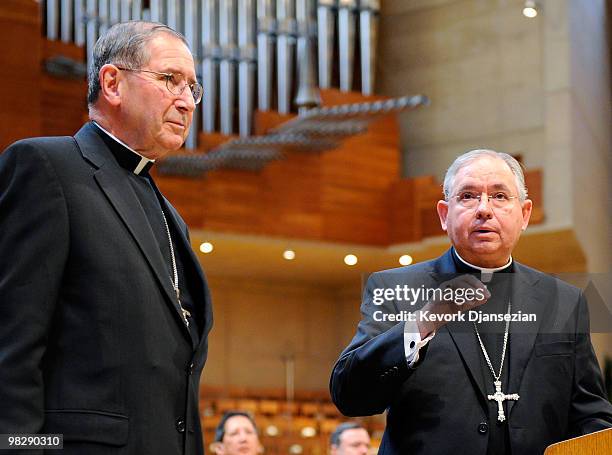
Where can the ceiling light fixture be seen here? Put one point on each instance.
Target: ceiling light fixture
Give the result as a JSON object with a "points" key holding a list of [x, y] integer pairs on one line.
{"points": [[206, 247], [289, 255], [308, 432], [350, 259], [405, 259], [530, 9], [272, 430]]}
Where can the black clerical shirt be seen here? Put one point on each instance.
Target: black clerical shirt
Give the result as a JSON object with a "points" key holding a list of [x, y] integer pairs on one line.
{"points": [[153, 203], [492, 335]]}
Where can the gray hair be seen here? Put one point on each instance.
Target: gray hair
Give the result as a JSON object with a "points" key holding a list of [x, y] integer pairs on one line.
{"points": [[124, 44], [468, 157], [334, 439]]}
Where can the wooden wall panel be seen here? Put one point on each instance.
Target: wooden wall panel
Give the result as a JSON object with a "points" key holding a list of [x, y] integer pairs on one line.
{"points": [[291, 197], [350, 195], [403, 212], [20, 31], [406, 208], [192, 194], [63, 101], [533, 181], [337, 195], [232, 201]]}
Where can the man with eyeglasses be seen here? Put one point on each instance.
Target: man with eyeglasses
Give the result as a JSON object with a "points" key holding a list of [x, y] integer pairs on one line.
{"points": [[474, 352], [104, 309]]}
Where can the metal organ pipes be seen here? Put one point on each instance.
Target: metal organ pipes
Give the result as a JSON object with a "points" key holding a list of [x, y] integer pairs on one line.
{"points": [[246, 50]]}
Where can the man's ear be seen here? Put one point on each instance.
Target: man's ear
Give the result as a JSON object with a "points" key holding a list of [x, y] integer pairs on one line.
{"points": [[442, 208], [526, 208], [109, 77], [217, 448]]}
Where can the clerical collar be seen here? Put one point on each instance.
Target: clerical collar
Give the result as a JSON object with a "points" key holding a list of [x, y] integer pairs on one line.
{"points": [[126, 156], [486, 274]]}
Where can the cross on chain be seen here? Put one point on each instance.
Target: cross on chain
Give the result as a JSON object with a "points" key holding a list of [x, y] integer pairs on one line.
{"points": [[500, 397], [186, 314]]}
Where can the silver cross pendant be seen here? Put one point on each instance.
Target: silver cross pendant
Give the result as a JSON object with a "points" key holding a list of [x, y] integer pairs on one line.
{"points": [[500, 397], [186, 314]]}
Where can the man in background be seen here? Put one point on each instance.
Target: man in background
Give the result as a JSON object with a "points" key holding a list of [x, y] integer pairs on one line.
{"points": [[104, 309], [237, 434], [349, 438]]}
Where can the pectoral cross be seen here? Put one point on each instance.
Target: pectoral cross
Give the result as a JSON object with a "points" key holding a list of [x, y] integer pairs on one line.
{"points": [[500, 397], [186, 314]]}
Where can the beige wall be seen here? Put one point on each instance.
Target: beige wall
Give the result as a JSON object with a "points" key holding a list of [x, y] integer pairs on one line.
{"points": [[591, 122], [498, 80], [480, 63], [590, 138], [257, 323]]}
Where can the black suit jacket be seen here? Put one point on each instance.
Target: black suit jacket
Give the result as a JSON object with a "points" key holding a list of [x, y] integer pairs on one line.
{"points": [[439, 406], [92, 342]]}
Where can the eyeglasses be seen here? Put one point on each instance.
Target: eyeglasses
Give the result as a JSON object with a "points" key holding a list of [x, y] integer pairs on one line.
{"points": [[175, 83], [471, 199]]}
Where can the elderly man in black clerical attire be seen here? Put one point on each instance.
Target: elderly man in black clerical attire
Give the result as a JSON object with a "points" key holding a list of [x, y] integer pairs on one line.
{"points": [[104, 309], [493, 357]]}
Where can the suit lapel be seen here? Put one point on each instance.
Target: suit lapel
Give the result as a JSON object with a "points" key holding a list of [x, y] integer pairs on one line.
{"points": [[469, 350], [462, 333], [203, 295], [522, 335], [123, 199], [522, 338]]}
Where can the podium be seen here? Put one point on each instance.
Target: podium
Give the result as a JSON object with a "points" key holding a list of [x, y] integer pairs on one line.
{"points": [[597, 443]]}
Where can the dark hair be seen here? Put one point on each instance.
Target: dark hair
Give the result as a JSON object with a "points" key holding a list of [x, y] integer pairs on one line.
{"points": [[335, 436], [123, 44], [220, 430]]}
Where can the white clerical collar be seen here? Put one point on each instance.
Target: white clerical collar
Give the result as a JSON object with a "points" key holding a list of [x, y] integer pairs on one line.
{"points": [[486, 273], [144, 163]]}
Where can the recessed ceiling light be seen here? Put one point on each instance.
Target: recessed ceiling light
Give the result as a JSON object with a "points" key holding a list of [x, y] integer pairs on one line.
{"points": [[206, 247], [272, 430], [530, 9], [405, 259], [350, 259], [289, 255], [308, 432]]}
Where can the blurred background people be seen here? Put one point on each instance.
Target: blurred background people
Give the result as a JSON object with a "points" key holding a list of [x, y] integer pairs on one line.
{"points": [[237, 434], [350, 438]]}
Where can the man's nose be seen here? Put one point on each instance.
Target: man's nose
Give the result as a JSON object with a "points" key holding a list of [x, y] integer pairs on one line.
{"points": [[185, 101], [483, 209]]}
